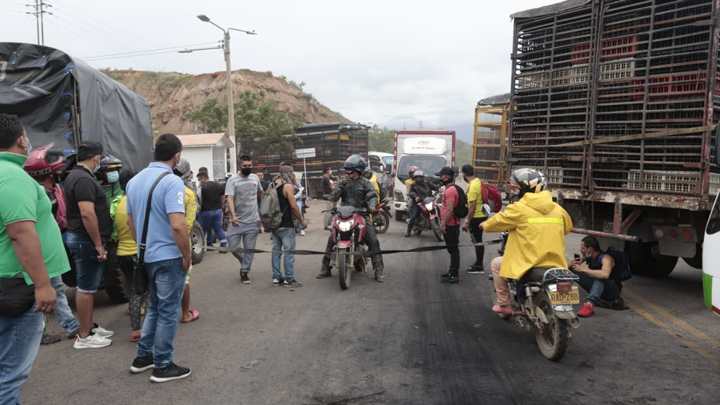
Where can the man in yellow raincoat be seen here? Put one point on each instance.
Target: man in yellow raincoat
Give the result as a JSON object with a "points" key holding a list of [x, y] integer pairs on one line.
{"points": [[537, 228]]}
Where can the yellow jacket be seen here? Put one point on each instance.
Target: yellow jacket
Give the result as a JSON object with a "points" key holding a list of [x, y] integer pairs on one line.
{"points": [[537, 228], [374, 182], [191, 207]]}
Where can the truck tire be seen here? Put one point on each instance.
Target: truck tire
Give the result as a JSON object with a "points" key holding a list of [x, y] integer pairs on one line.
{"points": [[197, 239], [645, 261], [695, 262]]}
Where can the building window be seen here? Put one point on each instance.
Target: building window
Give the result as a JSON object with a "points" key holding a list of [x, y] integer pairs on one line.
{"points": [[219, 154]]}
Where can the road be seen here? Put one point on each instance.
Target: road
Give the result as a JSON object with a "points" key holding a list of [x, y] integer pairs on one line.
{"points": [[410, 340]]}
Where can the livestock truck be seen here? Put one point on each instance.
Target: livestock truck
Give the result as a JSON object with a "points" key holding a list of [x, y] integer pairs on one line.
{"points": [[615, 101], [430, 151]]}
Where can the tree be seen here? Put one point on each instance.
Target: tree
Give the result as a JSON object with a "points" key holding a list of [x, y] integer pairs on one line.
{"points": [[381, 139], [259, 126]]}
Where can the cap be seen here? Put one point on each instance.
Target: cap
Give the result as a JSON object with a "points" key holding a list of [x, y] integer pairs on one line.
{"points": [[90, 148], [467, 169], [286, 169], [446, 171]]}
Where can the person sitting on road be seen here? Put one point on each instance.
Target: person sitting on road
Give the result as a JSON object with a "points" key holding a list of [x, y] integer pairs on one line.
{"points": [[358, 192], [537, 228], [600, 277], [419, 190]]}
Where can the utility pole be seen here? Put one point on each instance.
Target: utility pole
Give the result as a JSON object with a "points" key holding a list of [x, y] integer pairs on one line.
{"points": [[40, 8]]}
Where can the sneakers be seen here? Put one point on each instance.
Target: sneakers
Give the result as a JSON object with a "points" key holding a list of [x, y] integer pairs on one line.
{"points": [[407, 234], [169, 373], [324, 273], [475, 270], [222, 245], [101, 331], [587, 310], [302, 233], [278, 282], [244, 278], [449, 278], [92, 341], [141, 364], [379, 276], [292, 284], [49, 339]]}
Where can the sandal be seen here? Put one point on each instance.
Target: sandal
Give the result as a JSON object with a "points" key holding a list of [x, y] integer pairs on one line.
{"points": [[195, 315], [503, 310], [134, 337]]}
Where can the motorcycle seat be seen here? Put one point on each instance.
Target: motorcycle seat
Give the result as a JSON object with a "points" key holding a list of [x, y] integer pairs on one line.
{"points": [[534, 275]]}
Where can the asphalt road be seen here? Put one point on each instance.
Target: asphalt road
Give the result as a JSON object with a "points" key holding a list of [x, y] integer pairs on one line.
{"points": [[410, 340]]}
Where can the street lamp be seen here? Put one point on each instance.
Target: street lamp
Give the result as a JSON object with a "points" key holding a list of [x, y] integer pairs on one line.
{"points": [[230, 101]]}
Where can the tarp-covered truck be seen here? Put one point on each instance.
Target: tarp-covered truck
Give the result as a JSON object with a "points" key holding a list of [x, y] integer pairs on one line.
{"points": [[615, 102]]}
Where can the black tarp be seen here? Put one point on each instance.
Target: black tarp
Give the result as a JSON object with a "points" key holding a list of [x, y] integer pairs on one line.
{"points": [[63, 100]]}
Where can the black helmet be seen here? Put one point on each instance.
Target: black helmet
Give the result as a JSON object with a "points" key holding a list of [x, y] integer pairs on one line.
{"points": [[355, 162], [412, 170], [528, 181]]}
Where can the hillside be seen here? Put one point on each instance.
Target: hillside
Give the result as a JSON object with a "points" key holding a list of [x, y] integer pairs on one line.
{"points": [[171, 95]]}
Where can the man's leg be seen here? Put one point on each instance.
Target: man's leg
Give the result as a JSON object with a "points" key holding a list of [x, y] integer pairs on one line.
{"points": [[206, 223], [610, 291], [168, 280], [595, 288], [476, 233], [413, 216], [217, 227], [277, 245], [89, 272], [373, 245], [325, 269], [288, 243], [63, 313], [249, 241], [501, 285], [452, 240], [20, 339]]}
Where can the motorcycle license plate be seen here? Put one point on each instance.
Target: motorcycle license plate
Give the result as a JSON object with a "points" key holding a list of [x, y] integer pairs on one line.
{"points": [[560, 298]]}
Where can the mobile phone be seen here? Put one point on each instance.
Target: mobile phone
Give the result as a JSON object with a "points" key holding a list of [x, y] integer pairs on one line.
{"points": [[577, 256]]}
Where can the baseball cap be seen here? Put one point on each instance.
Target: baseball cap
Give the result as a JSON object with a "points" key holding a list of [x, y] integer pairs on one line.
{"points": [[90, 148], [448, 171]]}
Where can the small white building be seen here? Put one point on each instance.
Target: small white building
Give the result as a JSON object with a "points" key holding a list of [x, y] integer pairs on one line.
{"points": [[214, 151]]}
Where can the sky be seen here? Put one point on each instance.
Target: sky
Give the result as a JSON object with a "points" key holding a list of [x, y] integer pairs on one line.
{"points": [[394, 63]]}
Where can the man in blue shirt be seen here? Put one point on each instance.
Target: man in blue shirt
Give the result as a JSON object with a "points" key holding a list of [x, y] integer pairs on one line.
{"points": [[167, 257]]}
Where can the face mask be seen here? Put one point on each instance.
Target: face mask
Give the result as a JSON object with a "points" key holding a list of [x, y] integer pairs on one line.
{"points": [[446, 181], [29, 146], [588, 257], [113, 177], [419, 181], [246, 171]]}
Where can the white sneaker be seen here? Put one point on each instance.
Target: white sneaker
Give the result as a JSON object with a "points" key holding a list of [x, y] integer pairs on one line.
{"points": [[91, 342], [98, 330], [302, 232]]}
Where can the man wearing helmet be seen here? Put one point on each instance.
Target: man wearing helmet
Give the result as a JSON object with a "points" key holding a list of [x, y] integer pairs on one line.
{"points": [[109, 175], [356, 191], [537, 228], [368, 174], [419, 190]]}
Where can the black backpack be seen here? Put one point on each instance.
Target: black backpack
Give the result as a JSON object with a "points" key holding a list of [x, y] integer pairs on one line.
{"points": [[621, 270], [461, 208]]}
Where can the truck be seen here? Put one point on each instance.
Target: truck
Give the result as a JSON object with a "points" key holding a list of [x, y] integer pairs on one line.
{"points": [[62, 100], [615, 102], [430, 151]]}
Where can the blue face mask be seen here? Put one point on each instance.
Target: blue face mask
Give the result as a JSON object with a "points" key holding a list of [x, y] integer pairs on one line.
{"points": [[113, 177], [588, 257]]}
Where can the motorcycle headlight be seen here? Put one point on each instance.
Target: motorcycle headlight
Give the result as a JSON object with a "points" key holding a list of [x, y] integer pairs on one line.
{"points": [[399, 196], [345, 226], [429, 206]]}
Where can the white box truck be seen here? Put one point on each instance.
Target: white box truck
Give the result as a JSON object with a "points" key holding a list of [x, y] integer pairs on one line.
{"points": [[430, 151]]}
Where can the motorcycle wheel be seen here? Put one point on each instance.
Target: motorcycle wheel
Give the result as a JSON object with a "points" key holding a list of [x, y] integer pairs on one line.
{"points": [[344, 269], [382, 222], [435, 225], [552, 338]]}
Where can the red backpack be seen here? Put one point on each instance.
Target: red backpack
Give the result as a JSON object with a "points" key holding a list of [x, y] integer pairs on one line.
{"points": [[491, 196]]}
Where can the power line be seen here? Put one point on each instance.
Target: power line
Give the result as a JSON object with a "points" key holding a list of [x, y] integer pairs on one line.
{"points": [[40, 8], [129, 56], [148, 50]]}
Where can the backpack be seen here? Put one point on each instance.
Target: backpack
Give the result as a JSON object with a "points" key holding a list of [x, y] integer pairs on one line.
{"points": [[58, 196], [491, 196], [270, 213], [461, 208], [621, 270]]}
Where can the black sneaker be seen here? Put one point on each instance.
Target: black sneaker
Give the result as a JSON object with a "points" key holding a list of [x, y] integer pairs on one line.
{"points": [[141, 364], [49, 339], [244, 278], [169, 373], [292, 284], [475, 270], [446, 275], [451, 279], [407, 234], [278, 282]]}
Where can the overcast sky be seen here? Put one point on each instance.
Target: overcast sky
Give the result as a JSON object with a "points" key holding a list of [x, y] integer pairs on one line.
{"points": [[395, 63]]}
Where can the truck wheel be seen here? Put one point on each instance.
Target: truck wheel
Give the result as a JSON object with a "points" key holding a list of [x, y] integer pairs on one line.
{"points": [[646, 261], [197, 240], [695, 262]]}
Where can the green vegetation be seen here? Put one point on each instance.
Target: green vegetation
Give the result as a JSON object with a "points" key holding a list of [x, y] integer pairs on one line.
{"points": [[381, 139], [463, 153]]}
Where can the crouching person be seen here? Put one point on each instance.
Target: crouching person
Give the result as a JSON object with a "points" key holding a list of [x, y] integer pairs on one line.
{"points": [[600, 277]]}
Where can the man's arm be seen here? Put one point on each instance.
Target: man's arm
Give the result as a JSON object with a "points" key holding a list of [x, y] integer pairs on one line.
{"points": [[603, 274], [449, 206], [287, 192], [90, 221], [26, 243], [181, 237], [231, 209], [131, 225]]}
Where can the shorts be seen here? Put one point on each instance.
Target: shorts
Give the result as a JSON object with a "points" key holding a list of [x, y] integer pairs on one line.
{"points": [[89, 270]]}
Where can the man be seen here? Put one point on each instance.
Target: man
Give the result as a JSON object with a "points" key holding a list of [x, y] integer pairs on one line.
{"points": [[44, 167], [419, 190], [212, 199], [598, 277], [265, 182], [183, 171], [358, 192], [167, 258], [368, 174], [243, 192], [26, 266], [450, 224], [109, 175], [89, 229], [537, 228], [474, 218], [327, 188], [283, 238]]}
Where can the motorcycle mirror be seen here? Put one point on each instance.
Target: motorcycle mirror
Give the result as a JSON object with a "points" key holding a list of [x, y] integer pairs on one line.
{"points": [[485, 209]]}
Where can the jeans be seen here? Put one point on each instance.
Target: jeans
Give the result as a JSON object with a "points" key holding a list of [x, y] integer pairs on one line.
{"points": [[452, 240], [246, 234], [63, 313], [20, 339], [212, 220], [604, 289], [127, 266], [476, 233], [283, 239], [415, 211], [89, 269], [166, 283], [296, 221]]}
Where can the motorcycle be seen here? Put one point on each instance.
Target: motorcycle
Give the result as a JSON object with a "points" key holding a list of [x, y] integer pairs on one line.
{"points": [[429, 218], [544, 298], [348, 232], [381, 220]]}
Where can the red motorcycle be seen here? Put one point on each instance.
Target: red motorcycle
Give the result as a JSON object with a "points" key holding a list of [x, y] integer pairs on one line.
{"points": [[381, 219], [348, 232], [429, 218]]}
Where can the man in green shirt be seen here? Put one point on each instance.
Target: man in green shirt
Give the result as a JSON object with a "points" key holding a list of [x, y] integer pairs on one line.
{"points": [[25, 220]]}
